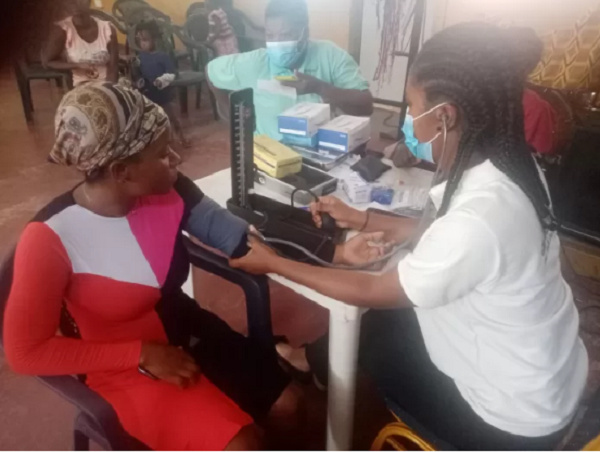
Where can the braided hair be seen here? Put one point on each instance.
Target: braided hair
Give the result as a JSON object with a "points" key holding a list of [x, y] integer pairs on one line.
{"points": [[473, 67]]}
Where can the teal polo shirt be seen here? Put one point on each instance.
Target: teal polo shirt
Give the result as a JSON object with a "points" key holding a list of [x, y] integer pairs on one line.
{"points": [[324, 60]]}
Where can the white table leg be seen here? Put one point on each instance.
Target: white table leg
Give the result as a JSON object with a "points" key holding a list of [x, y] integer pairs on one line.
{"points": [[344, 333], [188, 286]]}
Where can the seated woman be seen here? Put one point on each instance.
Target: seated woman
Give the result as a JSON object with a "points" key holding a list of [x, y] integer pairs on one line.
{"points": [[85, 45], [322, 71], [475, 333], [111, 253]]}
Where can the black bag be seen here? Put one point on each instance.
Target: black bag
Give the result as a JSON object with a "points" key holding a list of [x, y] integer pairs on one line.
{"points": [[370, 168]]}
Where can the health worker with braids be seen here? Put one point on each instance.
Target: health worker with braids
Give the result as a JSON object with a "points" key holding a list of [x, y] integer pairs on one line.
{"points": [[475, 334]]}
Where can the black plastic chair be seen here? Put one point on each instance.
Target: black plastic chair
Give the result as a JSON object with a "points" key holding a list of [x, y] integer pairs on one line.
{"points": [[102, 15], [249, 35], [25, 72], [96, 420], [194, 8], [196, 26], [200, 55], [126, 10]]}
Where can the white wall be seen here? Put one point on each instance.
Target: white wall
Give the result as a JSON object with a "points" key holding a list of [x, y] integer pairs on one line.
{"points": [[542, 15], [392, 88]]}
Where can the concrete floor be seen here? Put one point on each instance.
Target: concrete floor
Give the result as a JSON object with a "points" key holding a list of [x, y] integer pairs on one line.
{"points": [[31, 416]]}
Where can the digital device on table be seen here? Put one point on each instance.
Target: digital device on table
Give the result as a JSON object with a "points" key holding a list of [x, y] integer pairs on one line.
{"points": [[284, 226]]}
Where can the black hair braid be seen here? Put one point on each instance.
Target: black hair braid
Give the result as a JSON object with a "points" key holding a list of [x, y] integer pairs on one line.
{"points": [[470, 66], [520, 161], [463, 86]]}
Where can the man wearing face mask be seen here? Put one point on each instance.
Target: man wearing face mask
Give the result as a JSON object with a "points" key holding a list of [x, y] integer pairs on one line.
{"points": [[318, 71]]}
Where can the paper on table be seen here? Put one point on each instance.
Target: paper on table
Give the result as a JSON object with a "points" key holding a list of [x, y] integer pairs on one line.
{"points": [[408, 196], [411, 197], [274, 87]]}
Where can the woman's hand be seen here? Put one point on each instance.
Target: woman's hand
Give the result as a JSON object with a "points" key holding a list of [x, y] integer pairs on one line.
{"points": [[259, 260], [170, 364], [91, 71], [345, 216], [305, 84], [362, 249]]}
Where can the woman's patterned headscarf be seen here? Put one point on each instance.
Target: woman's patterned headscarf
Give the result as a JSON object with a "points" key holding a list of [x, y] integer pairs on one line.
{"points": [[99, 123]]}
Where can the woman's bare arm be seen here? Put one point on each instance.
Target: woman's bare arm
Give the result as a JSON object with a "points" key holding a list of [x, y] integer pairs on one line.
{"points": [[354, 288], [112, 73], [52, 54]]}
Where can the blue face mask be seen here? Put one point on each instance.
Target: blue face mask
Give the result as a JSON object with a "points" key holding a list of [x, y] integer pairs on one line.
{"points": [[423, 151], [283, 56]]}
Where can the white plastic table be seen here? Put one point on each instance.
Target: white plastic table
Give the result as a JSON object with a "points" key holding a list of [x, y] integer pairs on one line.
{"points": [[344, 320]]}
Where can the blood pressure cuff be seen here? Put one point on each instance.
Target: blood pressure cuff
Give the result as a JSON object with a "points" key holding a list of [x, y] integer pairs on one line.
{"points": [[370, 168]]}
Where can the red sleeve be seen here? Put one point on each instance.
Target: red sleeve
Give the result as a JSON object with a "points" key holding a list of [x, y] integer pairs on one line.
{"points": [[41, 275], [539, 122]]}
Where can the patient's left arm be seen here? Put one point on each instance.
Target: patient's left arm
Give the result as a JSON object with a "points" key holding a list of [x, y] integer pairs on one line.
{"points": [[210, 223], [218, 228]]}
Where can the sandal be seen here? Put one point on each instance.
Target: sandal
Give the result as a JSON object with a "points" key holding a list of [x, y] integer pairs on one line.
{"points": [[304, 377]]}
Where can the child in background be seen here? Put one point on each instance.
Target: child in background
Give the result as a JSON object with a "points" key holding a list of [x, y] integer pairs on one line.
{"points": [[221, 36], [156, 73]]}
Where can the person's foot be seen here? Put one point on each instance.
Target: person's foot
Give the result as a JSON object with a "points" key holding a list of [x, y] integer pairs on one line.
{"points": [[296, 357]]}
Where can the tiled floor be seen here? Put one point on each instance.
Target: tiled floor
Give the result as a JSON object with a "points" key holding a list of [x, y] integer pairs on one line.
{"points": [[31, 416]]}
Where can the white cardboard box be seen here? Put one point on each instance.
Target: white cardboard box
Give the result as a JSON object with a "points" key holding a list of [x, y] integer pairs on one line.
{"points": [[357, 190], [344, 133], [304, 119]]}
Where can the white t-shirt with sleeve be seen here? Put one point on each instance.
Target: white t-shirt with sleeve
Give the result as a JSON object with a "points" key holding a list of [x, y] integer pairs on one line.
{"points": [[495, 313]]}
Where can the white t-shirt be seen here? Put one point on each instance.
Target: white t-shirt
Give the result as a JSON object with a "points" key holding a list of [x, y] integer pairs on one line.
{"points": [[496, 315]]}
